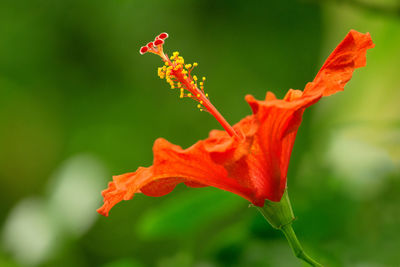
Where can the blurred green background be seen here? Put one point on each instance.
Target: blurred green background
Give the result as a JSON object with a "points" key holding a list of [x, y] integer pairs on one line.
{"points": [[79, 104]]}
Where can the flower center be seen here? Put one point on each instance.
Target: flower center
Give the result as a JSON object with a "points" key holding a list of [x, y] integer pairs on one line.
{"points": [[179, 75]]}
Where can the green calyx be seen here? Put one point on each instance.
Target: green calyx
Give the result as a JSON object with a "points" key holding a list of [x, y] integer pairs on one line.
{"points": [[280, 216]]}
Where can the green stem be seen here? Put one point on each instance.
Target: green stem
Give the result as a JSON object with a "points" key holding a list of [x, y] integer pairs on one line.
{"points": [[280, 216], [296, 246]]}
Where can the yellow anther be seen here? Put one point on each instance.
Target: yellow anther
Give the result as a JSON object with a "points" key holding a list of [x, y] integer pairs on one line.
{"points": [[176, 74], [204, 78]]}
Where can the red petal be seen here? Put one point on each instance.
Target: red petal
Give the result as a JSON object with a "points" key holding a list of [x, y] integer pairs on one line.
{"points": [[279, 120], [338, 69], [123, 187], [194, 164], [172, 165], [270, 152]]}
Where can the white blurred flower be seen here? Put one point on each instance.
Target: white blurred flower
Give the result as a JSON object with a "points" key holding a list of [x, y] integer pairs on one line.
{"points": [[361, 165], [75, 195], [35, 228], [29, 232]]}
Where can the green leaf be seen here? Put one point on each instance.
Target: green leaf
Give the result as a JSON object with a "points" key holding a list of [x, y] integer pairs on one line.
{"points": [[187, 212]]}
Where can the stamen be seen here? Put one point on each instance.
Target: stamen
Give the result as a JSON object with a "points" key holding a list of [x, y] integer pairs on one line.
{"points": [[178, 75]]}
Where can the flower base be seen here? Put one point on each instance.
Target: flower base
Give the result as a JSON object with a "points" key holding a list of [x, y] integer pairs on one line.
{"points": [[280, 216]]}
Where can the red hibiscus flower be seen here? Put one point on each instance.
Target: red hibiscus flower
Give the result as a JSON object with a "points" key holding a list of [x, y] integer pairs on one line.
{"points": [[251, 158]]}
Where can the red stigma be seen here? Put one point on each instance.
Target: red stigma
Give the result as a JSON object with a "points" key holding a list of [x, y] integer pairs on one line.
{"points": [[163, 35], [156, 46], [143, 49], [158, 42]]}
